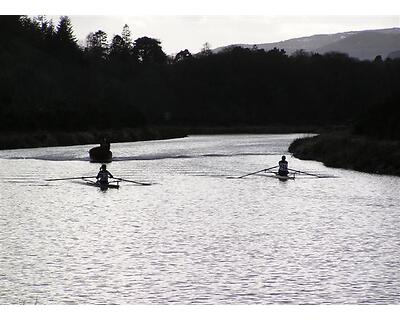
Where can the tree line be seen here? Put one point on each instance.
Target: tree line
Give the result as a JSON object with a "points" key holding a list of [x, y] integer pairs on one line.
{"points": [[50, 82]]}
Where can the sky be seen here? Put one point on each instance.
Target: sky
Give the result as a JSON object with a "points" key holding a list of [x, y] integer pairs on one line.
{"points": [[178, 32], [188, 24]]}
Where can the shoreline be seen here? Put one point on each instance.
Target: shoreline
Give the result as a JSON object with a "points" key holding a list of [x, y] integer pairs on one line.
{"points": [[348, 151], [44, 138]]}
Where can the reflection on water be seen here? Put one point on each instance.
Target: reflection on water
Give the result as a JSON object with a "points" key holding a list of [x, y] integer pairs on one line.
{"points": [[195, 236]]}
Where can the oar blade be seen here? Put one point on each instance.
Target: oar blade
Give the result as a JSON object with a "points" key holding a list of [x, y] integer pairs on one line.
{"points": [[136, 182], [312, 174]]}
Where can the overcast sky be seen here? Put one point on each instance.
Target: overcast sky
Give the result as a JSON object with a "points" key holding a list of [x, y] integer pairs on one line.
{"points": [[191, 32], [188, 24]]}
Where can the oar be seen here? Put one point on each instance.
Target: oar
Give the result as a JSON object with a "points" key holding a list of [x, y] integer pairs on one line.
{"points": [[74, 178], [141, 183], [249, 174], [310, 174], [271, 168]]}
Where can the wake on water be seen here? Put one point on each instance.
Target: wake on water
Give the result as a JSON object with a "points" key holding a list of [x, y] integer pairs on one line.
{"points": [[54, 157]]}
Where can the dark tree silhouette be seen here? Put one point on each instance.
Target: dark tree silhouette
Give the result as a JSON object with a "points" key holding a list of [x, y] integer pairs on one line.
{"points": [[48, 31], [97, 45], [149, 51], [182, 55], [127, 84], [121, 47], [64, 36], [10, 27], [117, 47], [382, 120]]}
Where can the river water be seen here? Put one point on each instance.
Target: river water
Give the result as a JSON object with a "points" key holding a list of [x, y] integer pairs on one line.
{"points": [[194, 236]]}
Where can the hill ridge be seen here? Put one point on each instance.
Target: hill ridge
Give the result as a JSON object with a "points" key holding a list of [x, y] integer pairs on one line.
{"points": [[320, 43]]}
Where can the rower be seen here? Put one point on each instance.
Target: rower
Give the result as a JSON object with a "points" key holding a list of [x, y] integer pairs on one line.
{"points": [[283, 167], [105, 144], [102, 176]]}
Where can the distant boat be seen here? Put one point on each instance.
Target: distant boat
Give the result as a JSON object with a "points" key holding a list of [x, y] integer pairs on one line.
{"points": [[101, 153]]}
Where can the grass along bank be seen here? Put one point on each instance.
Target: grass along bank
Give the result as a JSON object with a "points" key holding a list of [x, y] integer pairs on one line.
{"points": [[344, 150]]}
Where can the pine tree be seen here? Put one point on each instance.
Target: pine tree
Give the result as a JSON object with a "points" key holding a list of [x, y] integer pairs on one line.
{"points": [[64, 34], [126, 36], [65, 43]]}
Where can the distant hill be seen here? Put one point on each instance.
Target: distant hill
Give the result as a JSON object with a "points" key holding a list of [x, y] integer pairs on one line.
{"points": [[358, 44], [394, 55]]}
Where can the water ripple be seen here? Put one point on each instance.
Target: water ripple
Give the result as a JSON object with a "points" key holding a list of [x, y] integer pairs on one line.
{"points": [[196, 237]]}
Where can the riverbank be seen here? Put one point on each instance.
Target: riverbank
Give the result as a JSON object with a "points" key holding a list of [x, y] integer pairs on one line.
{"points": [[343, 150], [17, 140]]}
